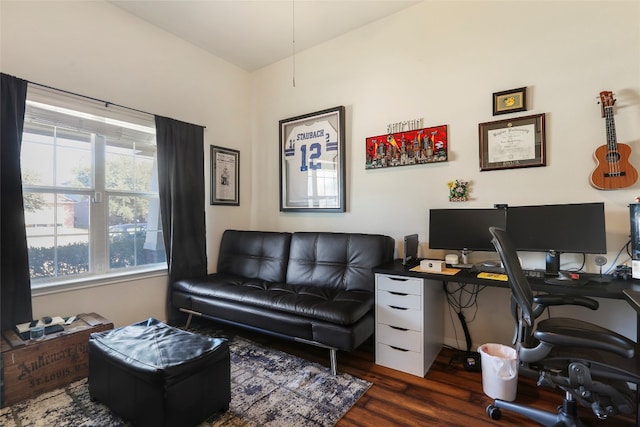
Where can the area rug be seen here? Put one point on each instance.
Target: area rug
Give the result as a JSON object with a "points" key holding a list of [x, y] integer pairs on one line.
{"points": [[268, 388]]}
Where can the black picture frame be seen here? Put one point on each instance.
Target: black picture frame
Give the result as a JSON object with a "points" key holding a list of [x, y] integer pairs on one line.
{"points": [[513, 143], [510, 101], [312, 162], [225, 176]]}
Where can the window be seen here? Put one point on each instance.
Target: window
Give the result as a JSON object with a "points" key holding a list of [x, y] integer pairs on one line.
{"points": [[89, 176]]}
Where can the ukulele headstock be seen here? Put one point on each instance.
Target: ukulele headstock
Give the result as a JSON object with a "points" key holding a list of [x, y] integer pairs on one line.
{"points": [[606, 100]]}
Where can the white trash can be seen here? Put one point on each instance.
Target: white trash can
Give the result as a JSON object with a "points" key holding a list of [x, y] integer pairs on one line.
{"points": [[499, 371]]}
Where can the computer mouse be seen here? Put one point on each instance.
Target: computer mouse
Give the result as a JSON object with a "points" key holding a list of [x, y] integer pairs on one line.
{"points": [[492, 264], [46, 320]]}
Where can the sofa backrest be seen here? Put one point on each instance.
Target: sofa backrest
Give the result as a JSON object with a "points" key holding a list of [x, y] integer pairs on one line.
{"points": [[337, 260], [255, 254]]}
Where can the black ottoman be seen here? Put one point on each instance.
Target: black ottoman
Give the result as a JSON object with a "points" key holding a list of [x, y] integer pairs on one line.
{"points": [[155, 375]]}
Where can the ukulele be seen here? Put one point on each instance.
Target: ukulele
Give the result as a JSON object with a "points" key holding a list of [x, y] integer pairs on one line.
{"points": [[613, 169]]}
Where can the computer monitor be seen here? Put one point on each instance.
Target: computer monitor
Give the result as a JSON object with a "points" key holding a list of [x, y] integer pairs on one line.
{"points": [[554, 229], [464, 229]]}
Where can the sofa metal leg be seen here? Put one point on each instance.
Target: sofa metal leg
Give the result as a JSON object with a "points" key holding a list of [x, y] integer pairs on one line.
{"points": [[333, 352], [333, 357]]}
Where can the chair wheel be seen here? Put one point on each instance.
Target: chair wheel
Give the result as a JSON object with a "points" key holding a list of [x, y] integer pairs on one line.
{"points": [[494, 412]]}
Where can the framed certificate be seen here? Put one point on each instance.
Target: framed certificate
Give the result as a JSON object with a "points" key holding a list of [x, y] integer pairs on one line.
{"points": [[513, 143], [225, 176], [312, 166]]}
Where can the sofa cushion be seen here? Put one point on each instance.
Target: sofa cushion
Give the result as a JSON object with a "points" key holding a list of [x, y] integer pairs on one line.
{"points": [[324, 303], [337, 260], [254, 254]]}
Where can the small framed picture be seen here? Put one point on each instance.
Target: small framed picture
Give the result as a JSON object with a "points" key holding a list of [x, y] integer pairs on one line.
{"points": [[312, 165], [510, 101], [513, 143], [225, 176]]}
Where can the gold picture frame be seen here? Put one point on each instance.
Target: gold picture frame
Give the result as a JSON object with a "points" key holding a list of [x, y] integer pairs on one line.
{"points": [[510, 101]]}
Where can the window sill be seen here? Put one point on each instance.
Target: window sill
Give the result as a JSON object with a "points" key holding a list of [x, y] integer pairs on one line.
{"points": [[95, 281]]}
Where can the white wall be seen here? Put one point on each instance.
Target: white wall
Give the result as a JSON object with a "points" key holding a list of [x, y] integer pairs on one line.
{"points": [[437, 60], [442, 61], [95, 49]]}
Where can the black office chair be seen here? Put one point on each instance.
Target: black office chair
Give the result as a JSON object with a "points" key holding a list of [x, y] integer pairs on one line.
{"points": [[591, 364]]}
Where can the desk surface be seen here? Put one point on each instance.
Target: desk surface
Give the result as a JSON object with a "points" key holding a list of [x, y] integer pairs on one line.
{"points": [[613, 289], [633, 297]]}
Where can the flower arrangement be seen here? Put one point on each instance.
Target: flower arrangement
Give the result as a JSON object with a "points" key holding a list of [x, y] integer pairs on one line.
{"points": [[458, 190]]}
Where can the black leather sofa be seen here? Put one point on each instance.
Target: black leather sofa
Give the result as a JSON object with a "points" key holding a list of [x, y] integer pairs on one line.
{"points": [[312, 287]]}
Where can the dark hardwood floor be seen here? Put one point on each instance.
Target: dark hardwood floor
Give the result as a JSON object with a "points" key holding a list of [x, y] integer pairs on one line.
{"points": [[447, 396]]}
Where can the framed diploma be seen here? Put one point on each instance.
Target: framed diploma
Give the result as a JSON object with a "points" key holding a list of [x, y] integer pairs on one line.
{"points": [[225, 176], [312, 165], [513, 143]]}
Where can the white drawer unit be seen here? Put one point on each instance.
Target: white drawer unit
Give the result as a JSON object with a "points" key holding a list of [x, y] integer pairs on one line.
{"points": [[409, 322]]}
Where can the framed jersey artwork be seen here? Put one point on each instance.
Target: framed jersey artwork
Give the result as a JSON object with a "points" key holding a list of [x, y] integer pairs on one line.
{"points": [[312, 166]]}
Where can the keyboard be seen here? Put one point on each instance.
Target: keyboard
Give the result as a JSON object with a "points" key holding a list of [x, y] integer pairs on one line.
{"points": [[566, 282]]}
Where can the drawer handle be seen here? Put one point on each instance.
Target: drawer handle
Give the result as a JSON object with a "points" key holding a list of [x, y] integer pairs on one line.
{"points": [[398, 308], [398, 328], [398, 348], [398, 279], [402, 294]]}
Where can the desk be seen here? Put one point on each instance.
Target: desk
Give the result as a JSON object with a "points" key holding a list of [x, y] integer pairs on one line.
{"points": [[633, 297], [628, 290], [613, 289]]}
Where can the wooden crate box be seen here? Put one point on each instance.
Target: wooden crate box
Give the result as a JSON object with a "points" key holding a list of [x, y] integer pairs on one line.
{"points": [[35, 367]]}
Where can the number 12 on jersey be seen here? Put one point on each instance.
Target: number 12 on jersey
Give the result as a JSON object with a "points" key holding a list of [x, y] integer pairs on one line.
{"points": [[309, 147]]}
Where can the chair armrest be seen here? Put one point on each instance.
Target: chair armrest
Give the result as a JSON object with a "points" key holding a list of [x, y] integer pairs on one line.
{"points": [[588, 339], [550, 300]]}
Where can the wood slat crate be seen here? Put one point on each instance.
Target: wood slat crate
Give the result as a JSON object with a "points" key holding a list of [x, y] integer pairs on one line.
{"points": [[35, 367]]}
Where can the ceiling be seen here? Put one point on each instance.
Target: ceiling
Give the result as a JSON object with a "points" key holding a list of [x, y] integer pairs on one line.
{"points": [[254, 33]]}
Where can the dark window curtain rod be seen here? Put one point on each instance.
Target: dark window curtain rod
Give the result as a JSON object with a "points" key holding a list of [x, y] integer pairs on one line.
{"points": [[106, 103]]}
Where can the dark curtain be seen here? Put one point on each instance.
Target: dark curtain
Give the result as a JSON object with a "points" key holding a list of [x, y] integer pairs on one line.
{"points": [[182, 199], [15, 283]]}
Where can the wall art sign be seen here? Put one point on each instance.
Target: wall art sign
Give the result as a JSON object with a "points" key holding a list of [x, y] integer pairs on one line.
{"points": [[510, 101], [414, 147], [411, 124], [312, 166], [225, 176], [514, 143]]}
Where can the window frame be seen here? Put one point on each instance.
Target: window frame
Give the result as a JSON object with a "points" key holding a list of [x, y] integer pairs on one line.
{"points": [[100, 272]]}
